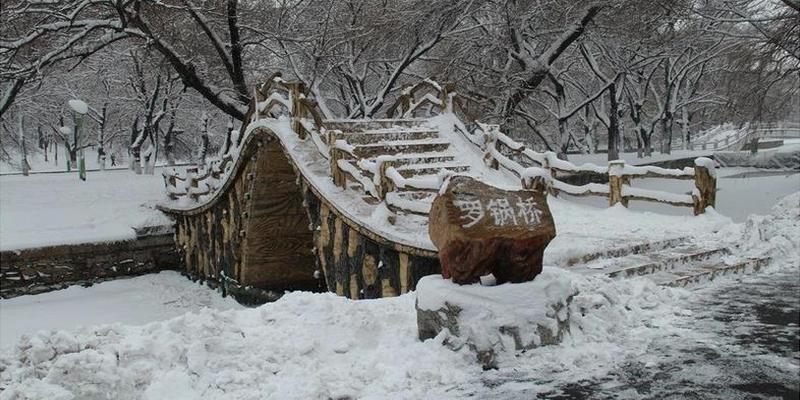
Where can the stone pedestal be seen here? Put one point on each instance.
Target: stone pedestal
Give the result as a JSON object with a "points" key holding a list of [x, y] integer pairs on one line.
{"points": [[496, 319]]}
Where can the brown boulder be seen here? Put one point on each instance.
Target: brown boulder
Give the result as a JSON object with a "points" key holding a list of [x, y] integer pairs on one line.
{"points": [[480, 229]]}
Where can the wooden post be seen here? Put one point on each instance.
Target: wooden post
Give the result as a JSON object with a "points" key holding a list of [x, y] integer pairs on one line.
{"points": [[615, 181], [296, 90], [191, 177], [386, 184], [706, 183], [447, 105], [546, 165], [336, 154], [405, 101], [535, 183], [489, 143]]}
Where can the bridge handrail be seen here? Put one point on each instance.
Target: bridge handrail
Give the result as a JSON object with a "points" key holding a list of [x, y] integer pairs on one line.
{"points": [[291, 97], [530, 163], [379, 178], [760, 130]]}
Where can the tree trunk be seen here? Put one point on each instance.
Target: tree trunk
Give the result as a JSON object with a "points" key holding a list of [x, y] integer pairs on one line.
{"points": [[613, 124], [590, 142], [43, 142], [169, 147], [24, 161], [563, 139], [101, 157], [666, 132], [73, 158], [638, 130], [685, 128]]}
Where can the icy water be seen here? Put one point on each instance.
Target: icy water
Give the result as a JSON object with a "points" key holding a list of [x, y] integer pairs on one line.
{"points": [[744, 343]]}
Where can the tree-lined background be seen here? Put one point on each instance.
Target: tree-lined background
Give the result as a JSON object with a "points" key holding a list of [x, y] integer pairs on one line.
{"points": [[163, 78]]}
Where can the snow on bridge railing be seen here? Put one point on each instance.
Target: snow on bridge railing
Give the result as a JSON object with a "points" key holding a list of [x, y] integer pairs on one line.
{"points": [[276, 96], [196, 182], [726, 137], [502, 151]]}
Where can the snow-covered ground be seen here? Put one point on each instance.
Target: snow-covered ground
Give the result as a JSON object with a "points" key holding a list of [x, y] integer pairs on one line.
{"points": [[132, 301], [49, 209], [38, 164], [629, 339]]}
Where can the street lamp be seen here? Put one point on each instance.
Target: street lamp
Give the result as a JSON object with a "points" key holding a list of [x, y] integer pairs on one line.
{"points": [[79, 109]]}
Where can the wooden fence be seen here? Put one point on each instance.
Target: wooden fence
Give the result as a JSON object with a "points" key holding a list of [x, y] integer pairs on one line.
{"points": [[503, 152]]}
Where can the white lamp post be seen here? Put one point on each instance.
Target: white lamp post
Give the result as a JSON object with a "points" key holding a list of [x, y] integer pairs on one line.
{"points": [[79, 109]]}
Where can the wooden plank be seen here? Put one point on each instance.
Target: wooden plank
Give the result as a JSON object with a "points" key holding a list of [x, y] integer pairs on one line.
{"points": [[652, 200], [355, 257], [337, 255], [323, 246], [389, 272], [369, 271], [404, 275]]}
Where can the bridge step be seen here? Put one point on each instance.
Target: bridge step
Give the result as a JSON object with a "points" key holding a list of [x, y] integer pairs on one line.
{"points": [[667, 260], [410, 170], [421, 158], [400, 146], [618, 252], [362, 125], [682, 266], [384, 135], [708, 272]]}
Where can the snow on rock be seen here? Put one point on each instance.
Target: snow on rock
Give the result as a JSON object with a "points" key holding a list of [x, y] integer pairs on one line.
{"points": [[492, 319], [78, 106]]}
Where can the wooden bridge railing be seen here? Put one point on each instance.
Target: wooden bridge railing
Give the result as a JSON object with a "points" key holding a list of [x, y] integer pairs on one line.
{"points": [[502, 151], [736, 138], [272, 97], [380, 179]]}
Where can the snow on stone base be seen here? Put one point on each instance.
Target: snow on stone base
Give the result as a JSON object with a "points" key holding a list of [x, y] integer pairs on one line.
{"points": [[492, 319]]}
